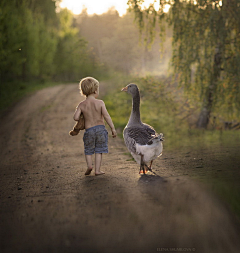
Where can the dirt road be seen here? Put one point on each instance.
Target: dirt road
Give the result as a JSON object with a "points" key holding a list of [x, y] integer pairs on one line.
{"points": [[48, 205]]}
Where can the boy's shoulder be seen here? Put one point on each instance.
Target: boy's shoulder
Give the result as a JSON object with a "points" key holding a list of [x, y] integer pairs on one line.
{"points": [[81, 103], [96, 101], [99, 101]]}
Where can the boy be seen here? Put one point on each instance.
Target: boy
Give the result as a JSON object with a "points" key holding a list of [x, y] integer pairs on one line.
{"points": [[94, 111]]}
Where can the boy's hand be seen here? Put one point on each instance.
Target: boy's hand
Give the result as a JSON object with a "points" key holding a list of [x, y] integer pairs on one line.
{"points": [[114, 133]]}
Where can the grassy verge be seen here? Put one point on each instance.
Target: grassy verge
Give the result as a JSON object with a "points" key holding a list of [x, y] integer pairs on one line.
{"points": [[228, 191], [11, 92]]}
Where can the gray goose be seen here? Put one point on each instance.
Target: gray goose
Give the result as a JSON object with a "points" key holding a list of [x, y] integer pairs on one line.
{"points": [[144, 144]]}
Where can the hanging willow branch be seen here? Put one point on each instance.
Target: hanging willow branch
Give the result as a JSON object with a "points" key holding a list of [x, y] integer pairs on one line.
{"points": [[206, 47]]}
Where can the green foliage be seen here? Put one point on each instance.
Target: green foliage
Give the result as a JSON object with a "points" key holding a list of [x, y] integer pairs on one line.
{"points": [[25, 38], [37, 45], [206, 46], [10, 40], [72, 47]]}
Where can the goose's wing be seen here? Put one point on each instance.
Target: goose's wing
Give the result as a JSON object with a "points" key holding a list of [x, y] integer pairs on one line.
{"points": [[137, 135], [129, 140], [149, 129]]}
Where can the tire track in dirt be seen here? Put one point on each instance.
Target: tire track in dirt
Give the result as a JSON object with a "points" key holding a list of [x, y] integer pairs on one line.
{"points": [[48, 205]]}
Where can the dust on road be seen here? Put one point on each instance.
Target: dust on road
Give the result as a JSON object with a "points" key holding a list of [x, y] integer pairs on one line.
{"points": [[48, 205]]}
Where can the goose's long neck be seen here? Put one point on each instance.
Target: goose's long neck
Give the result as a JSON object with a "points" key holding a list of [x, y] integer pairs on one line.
{"points": [[135, 114]]}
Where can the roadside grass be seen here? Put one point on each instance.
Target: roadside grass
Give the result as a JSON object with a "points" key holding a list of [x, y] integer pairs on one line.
{"points": [[12, 92], [228, 191]]}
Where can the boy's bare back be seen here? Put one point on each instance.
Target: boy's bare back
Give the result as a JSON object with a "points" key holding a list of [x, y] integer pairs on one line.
{"points": [[92, 111]]}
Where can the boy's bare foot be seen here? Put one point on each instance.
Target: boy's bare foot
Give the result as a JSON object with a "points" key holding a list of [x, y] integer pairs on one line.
{"points": [[99, 173], [88, 171]]}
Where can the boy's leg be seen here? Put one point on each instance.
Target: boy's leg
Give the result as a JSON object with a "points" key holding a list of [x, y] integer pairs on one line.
{"points": [[98, 161], [89, 164]]}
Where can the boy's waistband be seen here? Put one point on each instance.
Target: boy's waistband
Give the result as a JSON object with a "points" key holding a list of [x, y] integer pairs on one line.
{"points": [[95, 127]]}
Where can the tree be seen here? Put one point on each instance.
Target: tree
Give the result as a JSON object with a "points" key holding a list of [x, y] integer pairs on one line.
{"points": [[122, 51], [95, 27], [72, 60], [206, 48], [116, 43], [36, 43], [27, 41]]}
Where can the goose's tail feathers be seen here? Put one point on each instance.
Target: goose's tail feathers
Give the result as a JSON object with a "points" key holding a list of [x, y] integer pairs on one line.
{"points": [[156, 139], [160, 137]]}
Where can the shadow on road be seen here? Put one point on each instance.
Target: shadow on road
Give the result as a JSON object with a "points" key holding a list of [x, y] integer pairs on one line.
{"points": [[156, 179]]}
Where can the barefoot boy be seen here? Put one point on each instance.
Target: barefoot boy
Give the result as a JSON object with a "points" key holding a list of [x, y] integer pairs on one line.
{"points": [[94, 111]]}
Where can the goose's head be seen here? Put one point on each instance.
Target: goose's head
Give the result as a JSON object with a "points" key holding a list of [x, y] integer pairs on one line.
{"points": [[131, 89]]}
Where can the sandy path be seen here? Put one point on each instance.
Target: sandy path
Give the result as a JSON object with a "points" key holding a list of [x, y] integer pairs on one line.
{"points": [[48, 205]]}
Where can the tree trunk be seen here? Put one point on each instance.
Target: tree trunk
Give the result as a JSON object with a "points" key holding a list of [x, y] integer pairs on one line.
{"points": [[203, 118], [205, 113]]}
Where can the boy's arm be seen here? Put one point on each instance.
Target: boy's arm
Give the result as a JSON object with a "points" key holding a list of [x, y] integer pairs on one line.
{"points": [[108, 119], [77, 113]]}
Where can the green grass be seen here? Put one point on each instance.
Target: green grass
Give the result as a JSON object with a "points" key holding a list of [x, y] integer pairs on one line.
{"points": [[11, 92], [225, 185], [229, 193]]}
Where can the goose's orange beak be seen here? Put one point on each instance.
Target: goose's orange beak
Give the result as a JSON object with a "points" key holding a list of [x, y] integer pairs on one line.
{"points": [[124, 89]]}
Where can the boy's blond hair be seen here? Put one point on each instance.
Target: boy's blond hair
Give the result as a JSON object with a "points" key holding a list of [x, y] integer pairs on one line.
{"points": [[88, 85]]}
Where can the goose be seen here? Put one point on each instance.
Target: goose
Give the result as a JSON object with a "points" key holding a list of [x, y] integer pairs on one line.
{"points": [[142, 141]]}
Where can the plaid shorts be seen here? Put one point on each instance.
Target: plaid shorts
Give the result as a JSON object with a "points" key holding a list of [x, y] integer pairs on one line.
{"points": [[95, 140]]}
